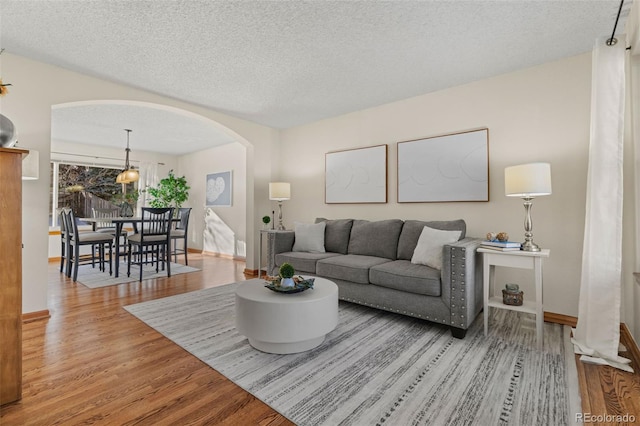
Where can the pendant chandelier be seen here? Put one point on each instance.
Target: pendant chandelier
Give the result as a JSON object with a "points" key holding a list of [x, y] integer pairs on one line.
{"points": [[129, 174]]}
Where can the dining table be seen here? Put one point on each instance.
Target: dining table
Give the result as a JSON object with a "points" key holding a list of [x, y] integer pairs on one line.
{"points": [[119, 222]]}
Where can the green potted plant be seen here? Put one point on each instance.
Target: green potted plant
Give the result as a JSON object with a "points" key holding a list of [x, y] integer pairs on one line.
{"points": [[127, 202], [286, 273], [266, 220], [171, 191]]}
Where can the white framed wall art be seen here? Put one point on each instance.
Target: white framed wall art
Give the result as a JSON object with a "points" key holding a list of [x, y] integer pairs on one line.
{"points": [[356, 175], [453, 167], [219, 189]]}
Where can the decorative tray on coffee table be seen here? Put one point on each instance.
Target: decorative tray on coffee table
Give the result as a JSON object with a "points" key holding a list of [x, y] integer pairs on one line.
{"points": [[301, 284]]}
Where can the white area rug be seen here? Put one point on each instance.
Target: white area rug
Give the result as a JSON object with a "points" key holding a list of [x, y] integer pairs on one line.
{"points": [[379, 368], [93, 278]]}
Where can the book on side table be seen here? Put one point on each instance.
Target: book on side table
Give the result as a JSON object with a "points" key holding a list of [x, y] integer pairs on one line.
{"points": [[501, 245]]}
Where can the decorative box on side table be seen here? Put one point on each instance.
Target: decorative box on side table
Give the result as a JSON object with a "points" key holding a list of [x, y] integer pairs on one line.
{"points": [[513, 259]]}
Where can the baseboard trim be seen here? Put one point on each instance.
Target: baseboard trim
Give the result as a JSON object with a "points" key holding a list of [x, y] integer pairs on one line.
{"points": [[560, 319], [222, 255], [35, 316], [632, 347], [54, 259], [250, 272]]}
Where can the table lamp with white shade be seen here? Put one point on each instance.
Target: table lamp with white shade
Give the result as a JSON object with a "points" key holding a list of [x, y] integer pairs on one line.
{"points": [[280, 191], [528, 181]]}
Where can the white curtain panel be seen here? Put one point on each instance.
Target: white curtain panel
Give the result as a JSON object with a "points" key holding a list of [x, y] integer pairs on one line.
{"points": [[597, 335], [148, 177]]}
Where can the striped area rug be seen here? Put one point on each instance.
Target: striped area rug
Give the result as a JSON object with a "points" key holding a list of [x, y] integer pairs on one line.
{"points": [[378, 368]]}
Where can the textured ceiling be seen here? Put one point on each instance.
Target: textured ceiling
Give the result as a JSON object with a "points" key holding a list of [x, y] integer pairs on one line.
{"points": [[286, 63], [152, 129]]}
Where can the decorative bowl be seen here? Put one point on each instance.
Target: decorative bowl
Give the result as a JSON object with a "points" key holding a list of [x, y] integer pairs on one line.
{"points": [[301, 285]]}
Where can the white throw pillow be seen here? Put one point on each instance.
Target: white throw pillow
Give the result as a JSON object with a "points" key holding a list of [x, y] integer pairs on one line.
{"points": [[309, 237], [429, 249]]}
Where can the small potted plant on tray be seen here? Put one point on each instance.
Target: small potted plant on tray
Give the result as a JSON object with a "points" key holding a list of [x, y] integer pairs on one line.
{"points": [[286, 273]]}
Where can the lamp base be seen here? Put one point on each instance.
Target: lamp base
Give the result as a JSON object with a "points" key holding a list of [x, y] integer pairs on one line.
{"points": [[529, 246], [280, 224]]}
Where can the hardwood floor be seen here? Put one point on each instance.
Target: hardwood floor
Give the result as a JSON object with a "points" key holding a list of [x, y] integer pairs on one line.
{"points": [[608, 391], [94, 363]]}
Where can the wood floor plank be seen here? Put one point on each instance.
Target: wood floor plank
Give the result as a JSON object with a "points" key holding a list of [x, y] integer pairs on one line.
{"points": [[92, 362]]}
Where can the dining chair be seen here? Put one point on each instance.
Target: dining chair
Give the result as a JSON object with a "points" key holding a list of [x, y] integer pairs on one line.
{"points": [[105, 213], [64, 240], [78, 239], [154, 237], [109, 227], [180, 232]]}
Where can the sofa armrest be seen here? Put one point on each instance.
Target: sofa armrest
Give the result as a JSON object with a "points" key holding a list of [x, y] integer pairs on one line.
{"points": [[462, 281], [278, 242]]}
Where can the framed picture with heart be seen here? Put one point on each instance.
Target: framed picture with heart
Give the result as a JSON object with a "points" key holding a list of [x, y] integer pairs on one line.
{"points": [[219, 189]]}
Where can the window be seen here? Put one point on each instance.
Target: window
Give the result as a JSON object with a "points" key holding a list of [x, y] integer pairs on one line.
{"points": [[83, 187]]}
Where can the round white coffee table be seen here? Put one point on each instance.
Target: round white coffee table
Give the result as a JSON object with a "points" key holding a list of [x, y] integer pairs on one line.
{"points": [[286, 323]]}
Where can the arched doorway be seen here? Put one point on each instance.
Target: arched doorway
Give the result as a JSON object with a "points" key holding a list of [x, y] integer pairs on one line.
{"points": [[92, 132]]}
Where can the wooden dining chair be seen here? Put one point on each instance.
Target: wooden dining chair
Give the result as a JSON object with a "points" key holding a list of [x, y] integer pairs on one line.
{"points": [[180, 232], [154, 237], [99, 240]]}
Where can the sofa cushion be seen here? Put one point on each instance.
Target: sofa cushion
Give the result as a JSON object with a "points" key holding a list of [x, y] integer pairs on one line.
{"points": [[349, 267], [413, 228], [336, 234], [379, 239], [405, 276], [309, 237], [429, 248], [302, 261]]}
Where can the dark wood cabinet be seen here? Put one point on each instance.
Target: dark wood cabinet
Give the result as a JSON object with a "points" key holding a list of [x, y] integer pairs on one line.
{"points": [[11, 274]]}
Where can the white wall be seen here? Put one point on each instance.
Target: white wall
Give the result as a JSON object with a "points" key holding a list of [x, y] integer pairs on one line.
{"points": [[36, 87], [539, 114], [224, 226]]}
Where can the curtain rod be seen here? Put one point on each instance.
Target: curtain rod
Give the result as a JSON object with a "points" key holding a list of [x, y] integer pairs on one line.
{"points": [[97, 158], [612, 40]]}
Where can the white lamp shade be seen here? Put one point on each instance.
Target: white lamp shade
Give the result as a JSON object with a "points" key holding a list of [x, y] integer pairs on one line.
{"points": [[527, 180], [31, 165], [279, 191]]}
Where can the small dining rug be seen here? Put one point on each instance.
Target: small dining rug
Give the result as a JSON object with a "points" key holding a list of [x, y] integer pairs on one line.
{"points": [[379, 368], [94, 278]]}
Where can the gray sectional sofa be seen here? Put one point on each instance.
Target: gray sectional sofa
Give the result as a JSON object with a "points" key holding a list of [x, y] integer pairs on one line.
{"points": [[371, 264]]}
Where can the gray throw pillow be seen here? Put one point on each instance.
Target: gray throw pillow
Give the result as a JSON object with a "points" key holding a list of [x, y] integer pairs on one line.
{"points": [[336, 234], [378, 239]]}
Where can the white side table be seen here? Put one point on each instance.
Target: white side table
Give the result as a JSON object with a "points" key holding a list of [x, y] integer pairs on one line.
{"points": [[513, 259]]}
